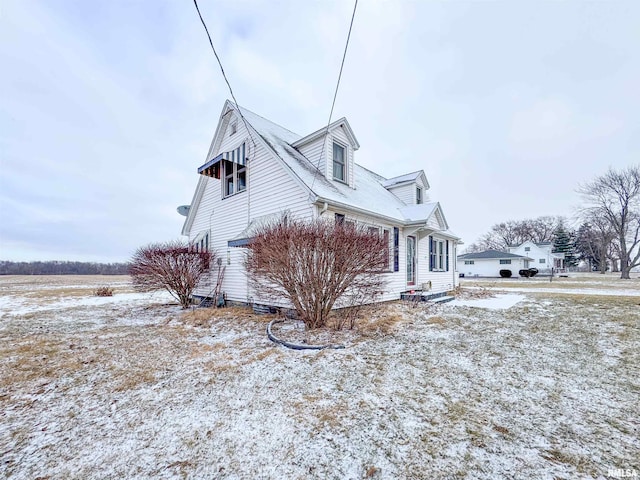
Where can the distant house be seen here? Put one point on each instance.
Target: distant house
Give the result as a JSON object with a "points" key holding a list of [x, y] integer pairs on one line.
{"points": [[254, 173], [490, 262], [541, 253]]}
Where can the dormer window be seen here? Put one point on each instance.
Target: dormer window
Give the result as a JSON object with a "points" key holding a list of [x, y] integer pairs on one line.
{"points": [[339, 163], [418, 195]]}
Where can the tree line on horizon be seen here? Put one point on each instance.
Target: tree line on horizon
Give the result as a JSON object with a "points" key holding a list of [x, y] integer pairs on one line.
{"points": [[57, 267], [607, 231]]}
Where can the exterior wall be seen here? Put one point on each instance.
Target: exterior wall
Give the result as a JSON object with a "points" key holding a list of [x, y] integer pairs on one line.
{"points": [[490, 267], [537, 253], [340, 137], [313, 151], [270, 189], [440, 281], [406, 193]]}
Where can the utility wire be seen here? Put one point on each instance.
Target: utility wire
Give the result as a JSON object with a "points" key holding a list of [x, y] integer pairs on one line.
{"points": [[224, 74], [335, 95]]}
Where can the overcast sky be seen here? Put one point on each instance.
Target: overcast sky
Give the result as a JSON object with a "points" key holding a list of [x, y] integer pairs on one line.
{"points": [[108, 107]]}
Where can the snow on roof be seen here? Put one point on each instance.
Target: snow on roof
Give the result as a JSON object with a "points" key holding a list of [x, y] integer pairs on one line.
{"points": [[408, 177], [491, 254], [418, 212], [369, 193]]}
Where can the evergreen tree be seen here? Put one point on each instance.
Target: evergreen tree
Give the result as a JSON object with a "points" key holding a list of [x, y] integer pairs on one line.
{"points": [[564, 242]]}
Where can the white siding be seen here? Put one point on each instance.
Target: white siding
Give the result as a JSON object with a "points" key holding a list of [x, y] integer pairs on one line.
{"points": [[313, 151], [490, 267], [340, 136], [270, 189], [440, 281], [406, 193]]}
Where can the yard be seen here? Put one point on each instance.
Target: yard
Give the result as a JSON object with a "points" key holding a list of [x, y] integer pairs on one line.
{"points": [[540, 382]]}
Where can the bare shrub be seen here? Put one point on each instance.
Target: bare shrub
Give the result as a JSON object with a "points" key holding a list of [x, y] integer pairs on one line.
{"points": [[316, 265], [173, 266], [103, 292]]}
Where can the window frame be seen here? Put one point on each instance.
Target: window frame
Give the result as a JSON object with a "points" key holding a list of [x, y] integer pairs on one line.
{"points": [[343, 164], [414, 263], [469, 262], [505, 261], [419, 198], [233, 178]]}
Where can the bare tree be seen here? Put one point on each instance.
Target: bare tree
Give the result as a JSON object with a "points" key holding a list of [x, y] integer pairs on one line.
{"points": [[595, 240], [173, 266], [615, 197], [316, 265], [514, 232]]}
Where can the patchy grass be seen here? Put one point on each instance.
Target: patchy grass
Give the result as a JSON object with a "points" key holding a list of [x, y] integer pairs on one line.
{"points": [[138, 388]]}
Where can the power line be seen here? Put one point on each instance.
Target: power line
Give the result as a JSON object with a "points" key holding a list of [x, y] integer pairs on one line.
{"points": [[335, 95], [224, 74]]}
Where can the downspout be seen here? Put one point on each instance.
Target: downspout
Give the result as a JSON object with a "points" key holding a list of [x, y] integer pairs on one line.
{"points": [[325, 207]]}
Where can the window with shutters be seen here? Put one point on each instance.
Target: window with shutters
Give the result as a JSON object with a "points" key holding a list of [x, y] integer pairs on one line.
{"points": [[438, 255]]}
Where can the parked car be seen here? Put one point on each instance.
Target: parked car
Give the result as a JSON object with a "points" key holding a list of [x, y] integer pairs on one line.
{"points": [[528, 272]]}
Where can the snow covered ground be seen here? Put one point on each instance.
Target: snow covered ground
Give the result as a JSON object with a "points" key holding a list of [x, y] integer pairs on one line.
{"points": [[542, 385]]}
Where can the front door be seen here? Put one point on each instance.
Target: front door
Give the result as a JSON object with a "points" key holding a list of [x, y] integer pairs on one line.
{"points": [[411, 260]]}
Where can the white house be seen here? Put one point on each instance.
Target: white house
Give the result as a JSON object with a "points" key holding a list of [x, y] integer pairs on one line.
{"points": [[255, 170], [490, 262], [541, 253]]}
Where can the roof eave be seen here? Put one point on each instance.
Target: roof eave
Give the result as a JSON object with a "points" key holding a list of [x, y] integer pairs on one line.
{"points": [[319, 133]]}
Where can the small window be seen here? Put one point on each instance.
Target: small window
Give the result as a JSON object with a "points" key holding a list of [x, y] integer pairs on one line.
{"points": [[234, 177], [339, 218], [234, 128], [542, 260], [527, 249], [228, 178], [339, 167], [469, 262], [242, 178], [418, 195], [505, 262]]}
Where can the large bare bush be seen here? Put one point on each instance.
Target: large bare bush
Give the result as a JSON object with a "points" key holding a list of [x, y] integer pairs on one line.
{"points": [[313, 265], [173, 266]]}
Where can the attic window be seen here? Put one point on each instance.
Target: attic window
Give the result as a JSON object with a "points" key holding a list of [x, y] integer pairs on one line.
{"points": [[418, 195], [339, 167], [234, 128]]}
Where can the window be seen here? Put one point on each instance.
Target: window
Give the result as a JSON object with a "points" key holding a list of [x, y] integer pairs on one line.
{"points": [[235, 178], [469, 262], [339, 166], [418, 195], [527, 249], [505, 262], [228, 178], [339, 218], [542, 260], [438, 255], [387, 241], [234, 128], [411, 260]]}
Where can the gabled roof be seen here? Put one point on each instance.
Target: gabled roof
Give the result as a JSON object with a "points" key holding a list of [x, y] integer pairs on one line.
{"points": [[369, 196], [407, 178], [490, 254], [319, 133]]}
